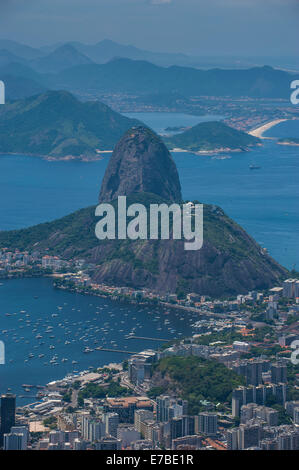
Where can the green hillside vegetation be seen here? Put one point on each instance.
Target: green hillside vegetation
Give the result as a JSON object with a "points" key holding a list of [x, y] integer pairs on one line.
{"points": [[56, 124], [226, 338], [73, 236], [208, 136], [92, 390], [230, 260], [196, 379]]}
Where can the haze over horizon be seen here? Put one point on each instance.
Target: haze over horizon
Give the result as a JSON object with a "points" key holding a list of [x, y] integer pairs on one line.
{"points": [[187, 26]]}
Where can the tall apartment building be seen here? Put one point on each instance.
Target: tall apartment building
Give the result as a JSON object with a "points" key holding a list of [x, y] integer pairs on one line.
{"points": [[8, 411], [127, 435], [278, 373], [111, 421], [290, 407], [289, 288], [140, 366], [232, 439], [182, 426], [140, 416], [92, 429], [14, 441], [248, 436], [63, 437], [168, 408], [208, 423], [252, 370], [24, 430], [296, 416], [288, 441], [179, 426], [244, 395], [264, 413]]}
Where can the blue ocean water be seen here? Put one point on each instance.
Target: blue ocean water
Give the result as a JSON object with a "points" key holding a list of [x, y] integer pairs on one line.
{"points": [[160, 121], [264, 202], [38, 322]]}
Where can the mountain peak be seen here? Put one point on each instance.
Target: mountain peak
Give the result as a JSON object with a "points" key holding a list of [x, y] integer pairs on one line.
{"points": [[141, 164], [63, 57], [57, 125], [70, 51]]}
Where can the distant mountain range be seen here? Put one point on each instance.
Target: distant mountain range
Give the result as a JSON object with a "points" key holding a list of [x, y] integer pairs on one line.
{"points": [[17, 88], [21, 81], [21, 50], [145, 78], [108, 67], [128, 76], [55, 124], [99, 53], [106, 50], [60, 59], [7, 57]]}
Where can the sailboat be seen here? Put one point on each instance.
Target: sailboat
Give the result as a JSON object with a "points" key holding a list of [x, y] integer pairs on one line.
{"points": [[254, 167]]}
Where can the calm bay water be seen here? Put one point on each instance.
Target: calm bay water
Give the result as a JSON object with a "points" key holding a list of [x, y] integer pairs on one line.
{"points": [[265, 202], [45, 330], [161, 121]]}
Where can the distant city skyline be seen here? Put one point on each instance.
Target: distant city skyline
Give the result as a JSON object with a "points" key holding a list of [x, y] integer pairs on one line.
{"points": [[194, 27]]}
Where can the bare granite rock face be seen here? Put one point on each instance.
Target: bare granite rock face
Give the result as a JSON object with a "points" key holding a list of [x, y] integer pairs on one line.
{"points": [[141, 164], [229, 263]]}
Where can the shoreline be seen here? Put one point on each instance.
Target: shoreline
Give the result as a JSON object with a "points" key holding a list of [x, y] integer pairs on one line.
{"points": [[77, 370], [214, 152], [50, 158], [291, 144], [259, 131]]}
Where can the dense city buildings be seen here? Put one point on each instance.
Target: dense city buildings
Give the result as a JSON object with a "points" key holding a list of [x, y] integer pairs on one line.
{"points": [[238, 335]]}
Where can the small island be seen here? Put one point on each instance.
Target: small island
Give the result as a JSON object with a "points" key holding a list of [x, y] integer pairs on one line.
{"points": [[176, 129], [210, 138], [293, 141]]}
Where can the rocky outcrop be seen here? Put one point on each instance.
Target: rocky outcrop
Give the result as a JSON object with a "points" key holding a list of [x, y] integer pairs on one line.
{"points": [[229, 263], [141, 164]]}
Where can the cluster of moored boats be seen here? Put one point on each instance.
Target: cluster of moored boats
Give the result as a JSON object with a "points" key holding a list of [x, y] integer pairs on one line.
{"points": [[64, 336]]}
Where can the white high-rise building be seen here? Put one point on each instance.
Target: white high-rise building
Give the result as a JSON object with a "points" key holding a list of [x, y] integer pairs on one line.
{"points": [[13, 441], [24, 430], [111, 423], [289, 286], [92, 429]]}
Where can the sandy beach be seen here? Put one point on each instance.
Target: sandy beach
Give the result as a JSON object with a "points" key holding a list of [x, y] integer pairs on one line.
{"points": [[259, 131]]}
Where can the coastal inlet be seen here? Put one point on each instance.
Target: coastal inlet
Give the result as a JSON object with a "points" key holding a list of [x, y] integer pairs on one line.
{"points": [[49, 333]]}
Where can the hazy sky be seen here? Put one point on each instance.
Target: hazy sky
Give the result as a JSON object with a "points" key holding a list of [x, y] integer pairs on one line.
{"points": [[211, 27]]}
